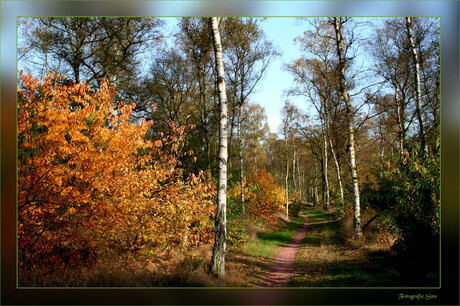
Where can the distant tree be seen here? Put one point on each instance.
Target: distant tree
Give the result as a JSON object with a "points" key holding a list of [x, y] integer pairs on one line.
{"points": [[194, 39], [289, 115], [393, 52], [254, 130], [249, 53], [316, 79], [393, 65], [90, 48], [169, 89]]}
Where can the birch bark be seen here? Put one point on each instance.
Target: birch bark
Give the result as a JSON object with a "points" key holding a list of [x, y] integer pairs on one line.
{"points": [[418, 92], [325, 161], [338, 26], [287, 177], [217, 267], [240, 154], [293, 173], [337, 167]]}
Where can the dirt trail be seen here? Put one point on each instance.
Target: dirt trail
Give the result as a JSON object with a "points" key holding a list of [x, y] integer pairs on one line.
{"points": [[283, 261]]}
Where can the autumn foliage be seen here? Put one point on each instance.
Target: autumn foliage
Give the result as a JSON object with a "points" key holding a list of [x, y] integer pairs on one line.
{"points": [[90, 181], [263, 198]]}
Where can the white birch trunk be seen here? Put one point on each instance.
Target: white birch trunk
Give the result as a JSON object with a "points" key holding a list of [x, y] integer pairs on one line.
{"points": [[293, 175], [418, 105], [316, 187], [287, 177], [299, 178], [217, 267], [351, 141], [326, 178], [337, 167], [240, 153]]}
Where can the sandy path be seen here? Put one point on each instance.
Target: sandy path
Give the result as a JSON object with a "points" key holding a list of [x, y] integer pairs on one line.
{"points": [[283, 261]]}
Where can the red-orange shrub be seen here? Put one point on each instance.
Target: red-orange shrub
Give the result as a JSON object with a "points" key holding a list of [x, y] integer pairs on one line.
{"points": [[89, 181], [263, 198]]}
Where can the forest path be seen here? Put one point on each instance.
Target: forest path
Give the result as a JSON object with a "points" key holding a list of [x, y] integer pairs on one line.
{"points": [[284, 260]]}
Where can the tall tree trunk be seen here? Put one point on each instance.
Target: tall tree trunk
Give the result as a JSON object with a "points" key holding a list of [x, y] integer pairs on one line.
{"points": [[299, 178], [326, 178], [287, 177], [293, 173], [418, 105], [400, 115], [76, 72], [217, 267], [240, 153], [255, 158], [46, 61], [316, 199], [338, 25], [337, 167]]}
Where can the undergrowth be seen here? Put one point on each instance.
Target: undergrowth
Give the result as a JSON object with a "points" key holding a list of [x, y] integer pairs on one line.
{"points": [[330, 257]]}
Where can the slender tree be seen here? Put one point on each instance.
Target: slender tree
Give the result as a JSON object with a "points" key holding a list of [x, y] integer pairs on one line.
{"points": [[338, 27], [392, 64], [195, 41], [249, 55], [418, 91], [218, 255]]}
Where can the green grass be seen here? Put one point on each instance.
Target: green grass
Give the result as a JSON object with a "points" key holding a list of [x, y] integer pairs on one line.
{"points": [[266, 243], [328, 259], [254, 257]]}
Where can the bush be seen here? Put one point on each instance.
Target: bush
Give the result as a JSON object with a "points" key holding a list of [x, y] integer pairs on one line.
{"points": [[90, 182], [263, 198], [407, 197]]}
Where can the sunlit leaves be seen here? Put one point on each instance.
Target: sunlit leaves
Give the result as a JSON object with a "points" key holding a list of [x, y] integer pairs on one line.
{"points": [[89, 179], [262, 196]]}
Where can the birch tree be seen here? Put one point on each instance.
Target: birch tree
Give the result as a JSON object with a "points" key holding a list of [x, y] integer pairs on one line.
{"points": [[392, 64], [338, 24], [418, 92], [289, 114], [315, 78], [217, 267]]}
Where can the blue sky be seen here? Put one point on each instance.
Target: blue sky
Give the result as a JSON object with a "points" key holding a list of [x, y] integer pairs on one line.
{"points": [[269, 92]]}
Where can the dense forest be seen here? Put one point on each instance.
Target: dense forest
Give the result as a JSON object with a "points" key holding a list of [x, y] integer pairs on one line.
{"points": [[144, 160]]}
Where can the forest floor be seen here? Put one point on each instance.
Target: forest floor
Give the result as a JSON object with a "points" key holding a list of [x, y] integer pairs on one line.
{"points": [[320, 253], [284, 260], [325, 256]]}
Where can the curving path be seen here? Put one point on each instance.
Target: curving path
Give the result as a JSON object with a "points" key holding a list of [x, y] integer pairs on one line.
{"points": [[284, 260]]}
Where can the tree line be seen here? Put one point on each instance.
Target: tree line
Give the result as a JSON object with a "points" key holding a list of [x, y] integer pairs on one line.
{"points": [[189, 127]]}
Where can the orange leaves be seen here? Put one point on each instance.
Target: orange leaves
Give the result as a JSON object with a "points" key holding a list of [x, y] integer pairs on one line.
{"points": [[262, 196], [90, 180]]}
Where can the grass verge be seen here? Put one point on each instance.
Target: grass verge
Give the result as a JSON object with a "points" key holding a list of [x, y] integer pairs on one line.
{"points": [[328, 258], [254, 257]]}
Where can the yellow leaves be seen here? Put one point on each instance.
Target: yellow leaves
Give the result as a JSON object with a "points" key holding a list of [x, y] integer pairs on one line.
{"points": [[90, 171]]}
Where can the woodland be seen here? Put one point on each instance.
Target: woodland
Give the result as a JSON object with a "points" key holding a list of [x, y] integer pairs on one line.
{"points": [[144, 161]]}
